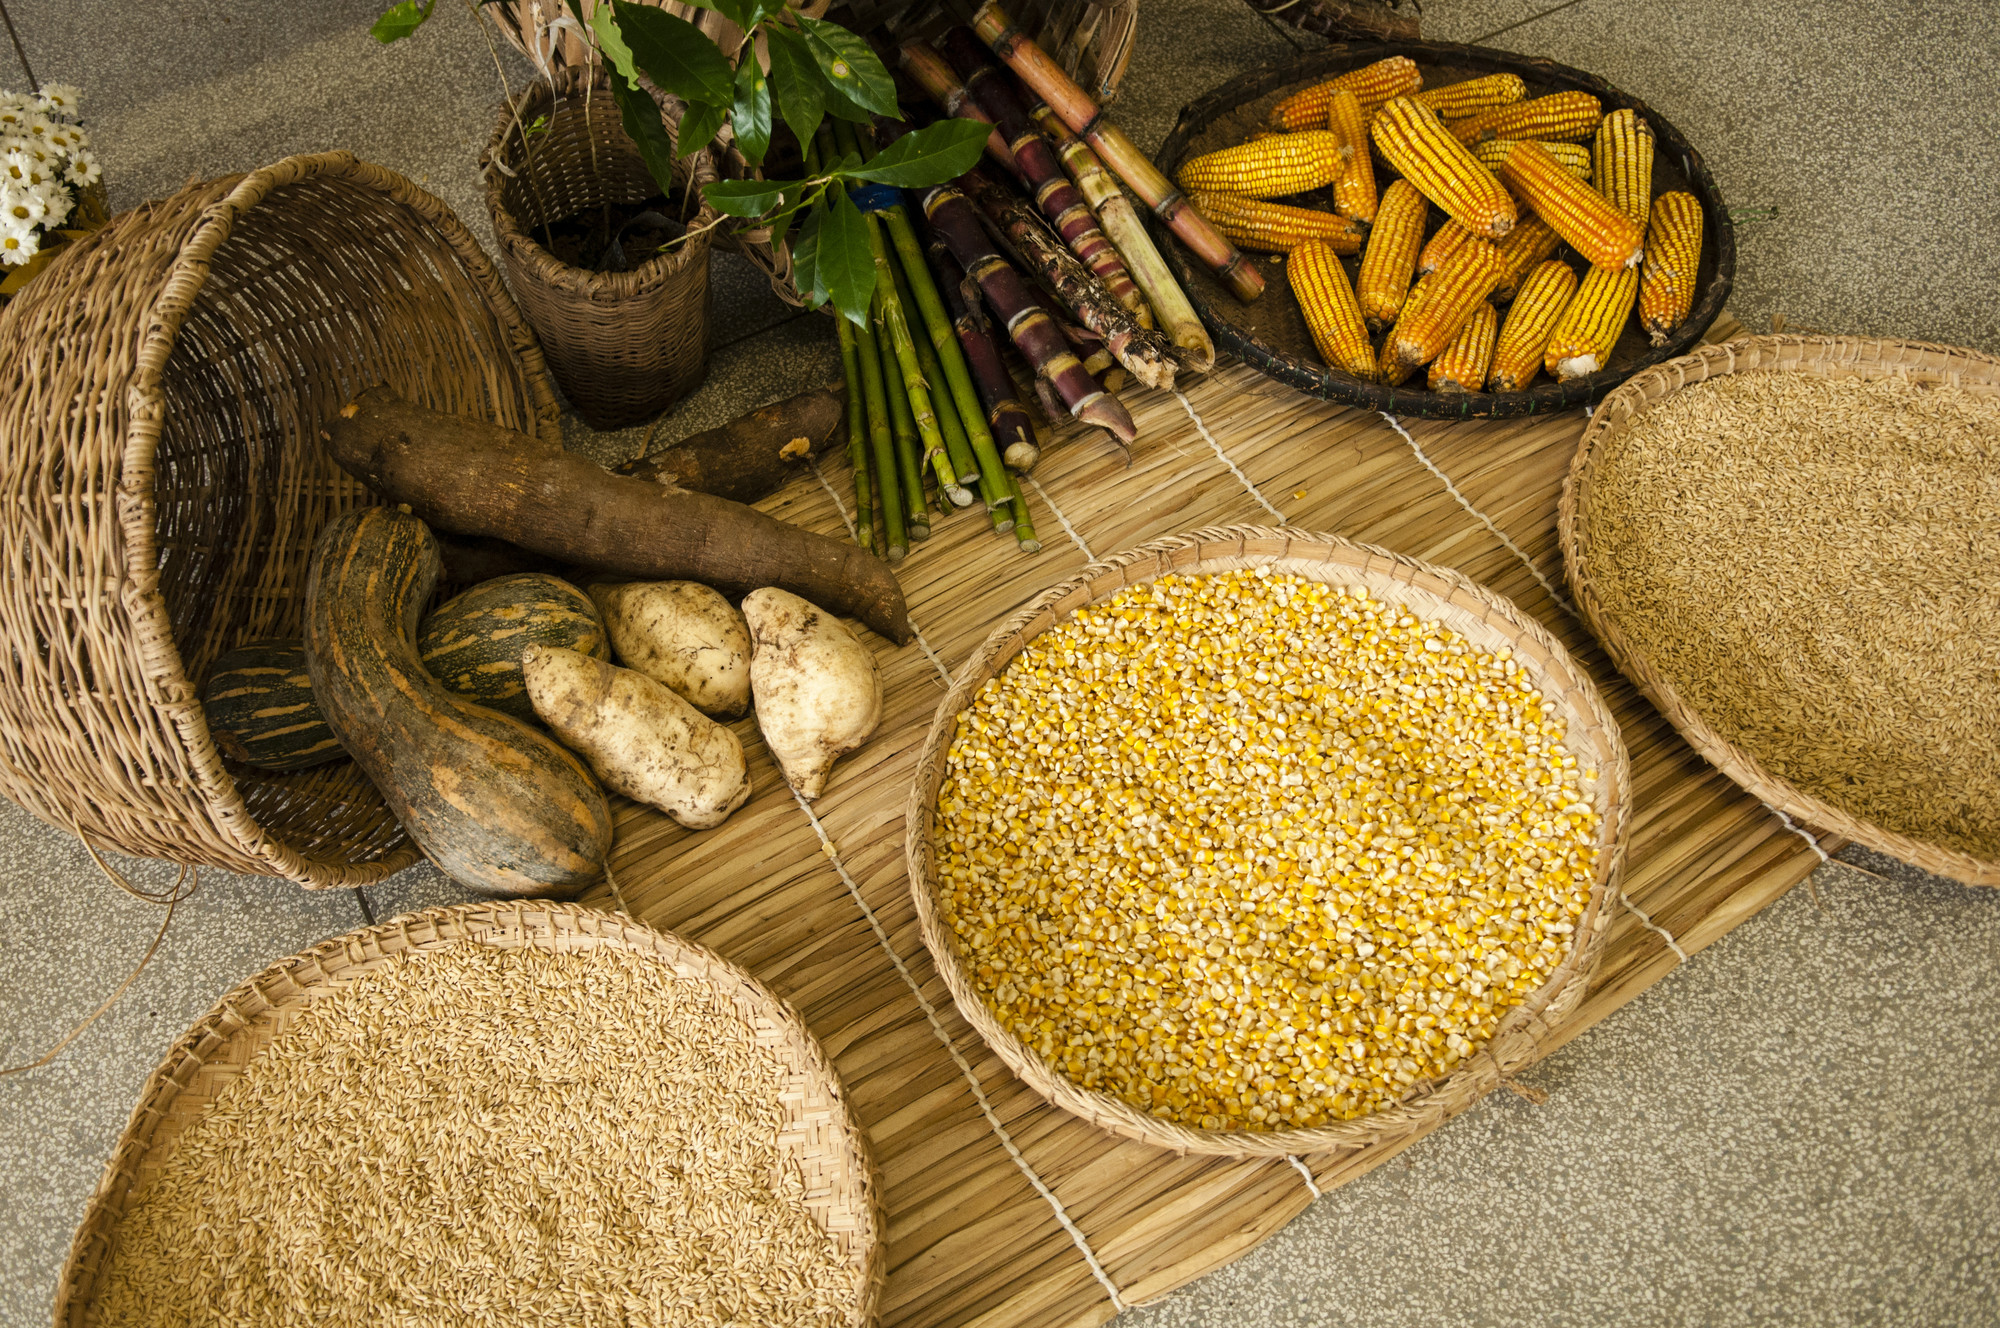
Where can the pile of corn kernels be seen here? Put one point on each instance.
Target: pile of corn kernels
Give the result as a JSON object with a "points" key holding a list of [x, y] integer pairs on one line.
{"points": [[1252, 852]]}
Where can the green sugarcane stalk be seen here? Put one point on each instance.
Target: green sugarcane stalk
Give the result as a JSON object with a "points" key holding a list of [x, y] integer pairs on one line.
{"points": [[882, 443], [927, 436], [956, 460], [903, 428], [857, 436], [1024, 525]]}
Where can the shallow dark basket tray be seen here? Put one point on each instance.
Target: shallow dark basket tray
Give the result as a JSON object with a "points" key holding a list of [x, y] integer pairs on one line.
{"points": [[1271, 334]]}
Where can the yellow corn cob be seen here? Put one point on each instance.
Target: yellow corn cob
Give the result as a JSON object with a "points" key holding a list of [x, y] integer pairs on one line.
{"points": [[1563, 117], [1530, 242], [1268, 168], [1603, 235], [1589, 328], [1517, 356], [1354, 191], [1393, 371], [1276, 228], [1623, 163], [1462, 367], [1319, 283], [1442, 246], [1391, 255], [1492, 154], [1447, 301], [1456, 101], [1371, 85], [1673, 257], [1414, 141]]}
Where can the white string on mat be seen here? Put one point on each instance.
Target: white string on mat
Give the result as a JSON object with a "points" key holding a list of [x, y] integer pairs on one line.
{"points": [[845, 520], [1061, 519], [1027, 1169], [1652, 926], [848, 521], [1312, 1186], [1223, 457], [1481, 517]]}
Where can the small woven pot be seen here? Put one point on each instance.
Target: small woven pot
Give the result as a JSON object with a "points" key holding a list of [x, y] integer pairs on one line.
{"points": [[818, 1131], [623, 346], [1479, 615], [162, 387], [1833, 357]]}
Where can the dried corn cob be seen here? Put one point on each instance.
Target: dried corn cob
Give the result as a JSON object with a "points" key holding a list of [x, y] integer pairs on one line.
{"points": [[1584, 335], [1603, 235], [1623, 163], [1563, 117], [1319, 283], [1274, 228], [1462, 367], [1442, 246], [1414, 141], [1391, 255], [1354, 191], [1371, 85], [1492, 154], [1517, 356], [1457, 101], [1393, 371], [1444, 304], [1268, 168], [1673, 256], [1531, 241]]}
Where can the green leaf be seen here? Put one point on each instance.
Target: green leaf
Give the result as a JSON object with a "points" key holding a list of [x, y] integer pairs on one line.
{"points": [[839, 106], [699, 125], [931, 155], [400, 20], [844, 262], [745, 198], [745, 14], [796, 83], [806, 276], [850, 66], [612, 42], [675, 54], [751, 117], [647, 130]]}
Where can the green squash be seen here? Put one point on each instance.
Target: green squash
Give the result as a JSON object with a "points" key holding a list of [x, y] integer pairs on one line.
{"points": [[261, 710], [473, 644]]}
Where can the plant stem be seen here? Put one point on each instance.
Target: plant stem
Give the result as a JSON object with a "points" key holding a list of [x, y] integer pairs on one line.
{"points": [[916, 394], [956, 458], [903, 428], [985, 454], [874, 386], [857, 436], [1010, 429], [1024, 525]]}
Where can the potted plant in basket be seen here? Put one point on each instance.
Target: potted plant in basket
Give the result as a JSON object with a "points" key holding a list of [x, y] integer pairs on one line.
{"points": [[51, 190]]}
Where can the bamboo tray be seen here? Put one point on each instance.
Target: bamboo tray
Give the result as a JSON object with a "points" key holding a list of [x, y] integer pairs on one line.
{"points": [[1432, 593], [1834, 357], [1271, 334]]}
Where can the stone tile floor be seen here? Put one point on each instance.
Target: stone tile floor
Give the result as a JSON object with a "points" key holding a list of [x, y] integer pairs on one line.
{"points": [[1802, 1127]]}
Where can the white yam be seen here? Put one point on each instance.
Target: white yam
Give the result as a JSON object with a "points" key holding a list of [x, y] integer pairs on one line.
{"points": [[683, 634], [817, 690]]}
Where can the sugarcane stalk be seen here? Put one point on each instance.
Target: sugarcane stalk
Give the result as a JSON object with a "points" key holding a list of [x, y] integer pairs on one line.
{"points": [[857, 434], [966, 400], [993, 90], [1077, 109], [1143, 259], [911, 389], [882, 444], [928, 71], [1012, 432], [956, 458], [908, 444], [1024, 525]]}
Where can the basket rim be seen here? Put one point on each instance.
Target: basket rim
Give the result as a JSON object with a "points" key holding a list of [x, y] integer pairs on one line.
{"points": [[1317, 380], [291, 980], [1513, 1041], [170, 689], [1746, 355]]}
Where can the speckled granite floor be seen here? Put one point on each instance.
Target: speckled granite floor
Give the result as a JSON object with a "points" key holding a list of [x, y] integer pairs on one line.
{"points": [[1802, 1127]]}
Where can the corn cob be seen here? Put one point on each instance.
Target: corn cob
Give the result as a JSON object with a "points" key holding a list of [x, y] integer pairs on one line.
{"points": [[1444, 304], [1457, 101], [1582, 341], [1268, 168], [1371, 85], [1492, 154], [1462, 367], [1604, 236], [1525, 247], [1517, 356], [1673, 256], [1275, 228], [1354, 191], [1563, 117], [1442, 246], [1319, 283], [1414, 141], [1391, 255], [1623, 163], [1393, 371]]}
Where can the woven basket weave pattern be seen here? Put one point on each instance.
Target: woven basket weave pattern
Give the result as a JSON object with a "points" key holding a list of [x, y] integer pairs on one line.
{"points": [[1482, 617]]}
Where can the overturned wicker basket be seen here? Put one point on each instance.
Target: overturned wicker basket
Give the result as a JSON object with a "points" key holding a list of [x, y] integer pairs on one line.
{"points": [[161, 391], [1474, 612]]}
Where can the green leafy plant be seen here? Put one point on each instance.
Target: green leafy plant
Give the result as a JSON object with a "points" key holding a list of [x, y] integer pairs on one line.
{"points": [[817, 69]]}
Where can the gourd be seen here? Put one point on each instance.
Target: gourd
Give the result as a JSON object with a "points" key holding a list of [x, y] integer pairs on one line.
{"points": [[495, 804], [473, 643], [261, 711]]}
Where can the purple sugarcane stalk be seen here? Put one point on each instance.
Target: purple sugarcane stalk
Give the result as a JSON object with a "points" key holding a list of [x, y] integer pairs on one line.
{"points": [[1013, 431]]}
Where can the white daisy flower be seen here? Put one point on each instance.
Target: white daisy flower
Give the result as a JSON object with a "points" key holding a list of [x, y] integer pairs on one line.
{"points": [[14, 117], [16, 167], [62, 140], [83, 171], [17, 247], [59, 202], [40, 126], [60, 98], [81, 137], [22, 209]]}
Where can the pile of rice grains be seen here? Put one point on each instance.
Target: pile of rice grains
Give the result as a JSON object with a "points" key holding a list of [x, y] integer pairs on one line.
{"points": [[468, 1135], [1251, 852], [1813, 564]]}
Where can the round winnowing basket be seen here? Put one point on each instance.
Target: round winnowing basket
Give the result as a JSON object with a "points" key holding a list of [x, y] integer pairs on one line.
{"points": [[1436, 593], [1833, 357], [818, 1132], [162, 386]]}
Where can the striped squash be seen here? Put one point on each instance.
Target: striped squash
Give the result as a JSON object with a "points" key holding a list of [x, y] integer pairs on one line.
{"points": [[473, 643], [261, 711]]}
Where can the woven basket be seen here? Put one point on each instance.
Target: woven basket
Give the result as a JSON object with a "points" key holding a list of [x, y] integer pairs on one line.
{"points": [[622, 345], [1479, 615], [1837, 357], [161, 391], [818, 1131]]}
